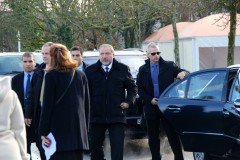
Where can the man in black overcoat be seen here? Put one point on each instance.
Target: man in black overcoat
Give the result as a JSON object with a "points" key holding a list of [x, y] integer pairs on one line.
{"points": [[112, 90], [153, 78]]}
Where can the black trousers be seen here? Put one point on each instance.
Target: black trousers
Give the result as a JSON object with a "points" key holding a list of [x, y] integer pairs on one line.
{"points": [[153, 130], [30, 137], [67, 155], [116, 137]]}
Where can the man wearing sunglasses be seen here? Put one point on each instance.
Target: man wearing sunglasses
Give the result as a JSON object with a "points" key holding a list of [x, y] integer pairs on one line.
{"points": [[153, 77], [77, 55]]}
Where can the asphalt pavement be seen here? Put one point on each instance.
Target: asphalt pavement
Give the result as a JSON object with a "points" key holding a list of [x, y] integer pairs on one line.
{"points": [[134, 149]]}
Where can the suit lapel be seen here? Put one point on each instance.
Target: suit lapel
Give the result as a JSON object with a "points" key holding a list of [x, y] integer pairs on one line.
{"points": [[21, 84]]}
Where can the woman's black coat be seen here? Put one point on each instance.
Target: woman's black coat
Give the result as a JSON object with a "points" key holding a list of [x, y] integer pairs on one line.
{"points": [[67, 120]]}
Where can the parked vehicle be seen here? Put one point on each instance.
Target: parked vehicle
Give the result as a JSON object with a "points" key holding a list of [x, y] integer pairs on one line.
{"points": [[11, 62], [204, 108], [134, 59]]}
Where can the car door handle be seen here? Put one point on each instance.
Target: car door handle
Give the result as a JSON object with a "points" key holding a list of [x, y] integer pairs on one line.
{"points": [[174, 109], [225, 113]]}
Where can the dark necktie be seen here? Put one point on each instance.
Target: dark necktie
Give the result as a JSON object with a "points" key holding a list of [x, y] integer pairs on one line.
{"points": [[27, 88], [106, 70]]}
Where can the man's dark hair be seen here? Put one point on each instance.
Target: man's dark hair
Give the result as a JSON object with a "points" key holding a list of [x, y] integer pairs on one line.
{"points": [[77, 48], [28, 54]]}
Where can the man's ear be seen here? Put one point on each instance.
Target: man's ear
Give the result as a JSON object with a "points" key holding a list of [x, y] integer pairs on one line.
{"points": [[148, 55]]}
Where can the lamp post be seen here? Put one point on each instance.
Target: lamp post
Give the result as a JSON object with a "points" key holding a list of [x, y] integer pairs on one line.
{"points": [[19, 41]]}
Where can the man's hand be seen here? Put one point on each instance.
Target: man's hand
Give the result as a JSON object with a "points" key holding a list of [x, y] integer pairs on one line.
{"points": [[28, 122], [154, 101], [124, 105], [181, 75]]}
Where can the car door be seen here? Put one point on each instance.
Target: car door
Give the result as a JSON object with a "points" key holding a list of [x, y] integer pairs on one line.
{"points": [[194, 106], [232, 112]]}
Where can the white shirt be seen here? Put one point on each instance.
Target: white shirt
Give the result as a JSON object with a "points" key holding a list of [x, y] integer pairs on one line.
{"points": [[109, 67]]}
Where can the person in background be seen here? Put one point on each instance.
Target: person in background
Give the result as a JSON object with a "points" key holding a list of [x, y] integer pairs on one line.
{"points": [[66, 105], [13, 145], [153, 78], [34, 99], [21, 84], [77, 54], [112, 90]]}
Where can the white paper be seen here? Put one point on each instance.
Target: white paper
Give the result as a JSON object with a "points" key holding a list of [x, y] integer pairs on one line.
{"points": [[49, 151]]}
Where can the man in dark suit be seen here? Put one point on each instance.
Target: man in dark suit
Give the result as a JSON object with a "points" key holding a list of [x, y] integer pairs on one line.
{"points": [[112, 90], [77, 55], [153, 78], [33, 107], [21, 84]]}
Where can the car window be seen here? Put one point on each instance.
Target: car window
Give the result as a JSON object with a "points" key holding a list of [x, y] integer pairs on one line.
{"points": [[235, 93], [178, 91], [38, 58], [134, 62], [207, 86], [12, 64]]}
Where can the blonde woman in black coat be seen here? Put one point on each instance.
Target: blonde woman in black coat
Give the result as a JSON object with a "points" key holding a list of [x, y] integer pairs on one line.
{"points": [[65, 111]]}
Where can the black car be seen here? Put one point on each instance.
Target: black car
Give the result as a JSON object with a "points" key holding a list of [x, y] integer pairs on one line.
{"points": [[134, 59], [204, 108]]}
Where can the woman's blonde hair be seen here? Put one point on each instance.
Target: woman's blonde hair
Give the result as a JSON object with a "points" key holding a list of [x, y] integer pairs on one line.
{"points": [[60, 59]]}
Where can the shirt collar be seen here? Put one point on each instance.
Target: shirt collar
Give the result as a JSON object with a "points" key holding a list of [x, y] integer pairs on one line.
{"points": [[154, 65], [26, 74], [80, 67], [109, 66]]}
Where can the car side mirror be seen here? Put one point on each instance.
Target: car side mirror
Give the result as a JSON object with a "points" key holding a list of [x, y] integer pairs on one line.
{"points": [[237, 103]]}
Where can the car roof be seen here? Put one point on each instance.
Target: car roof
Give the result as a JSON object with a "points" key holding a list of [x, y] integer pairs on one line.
{"points": [[117, 53], [234, 66], [15, 53], [10, 53]]}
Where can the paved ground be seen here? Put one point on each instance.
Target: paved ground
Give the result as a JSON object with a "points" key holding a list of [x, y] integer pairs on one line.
{"points": [[134, 150]]}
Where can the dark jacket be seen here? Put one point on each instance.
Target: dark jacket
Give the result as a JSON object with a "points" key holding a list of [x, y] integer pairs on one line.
{"points": [[68, 119], [107, 92], [85, 65], [168, 71], [17, 86], [33, 108]]}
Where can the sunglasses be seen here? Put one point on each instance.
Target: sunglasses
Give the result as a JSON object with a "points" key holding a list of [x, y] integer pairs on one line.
{"points": [[154, 53]]}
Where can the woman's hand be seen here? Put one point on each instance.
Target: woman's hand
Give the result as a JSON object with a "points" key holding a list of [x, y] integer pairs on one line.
{"points": [[46, 141]]}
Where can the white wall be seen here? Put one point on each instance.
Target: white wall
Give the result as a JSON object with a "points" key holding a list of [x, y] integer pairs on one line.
{"points": [[189, 49]]}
